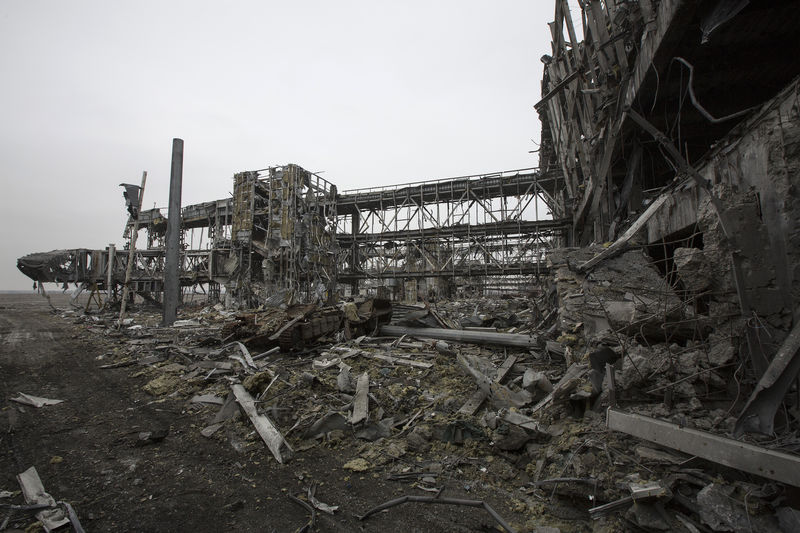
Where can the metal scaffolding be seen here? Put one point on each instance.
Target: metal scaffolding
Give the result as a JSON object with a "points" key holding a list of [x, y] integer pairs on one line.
{"points": [[286, 235], [459, 229]]}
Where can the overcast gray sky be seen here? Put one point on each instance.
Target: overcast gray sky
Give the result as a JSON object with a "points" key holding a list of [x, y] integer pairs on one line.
{"points": [[370, 92]]}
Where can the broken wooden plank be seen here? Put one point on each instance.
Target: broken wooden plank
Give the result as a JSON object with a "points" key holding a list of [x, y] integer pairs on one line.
{"points": [[770, 464], [264, 426], [208, 431], [474, 403], [399, 360], [622, 243], [119, 364], [286, 326], [560, 86], [34, 493], [361, 400], [217, 365]]}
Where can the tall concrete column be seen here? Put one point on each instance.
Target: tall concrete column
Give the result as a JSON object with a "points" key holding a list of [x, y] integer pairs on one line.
{"points": [[354, 228], [112, 253], [172, 285]]}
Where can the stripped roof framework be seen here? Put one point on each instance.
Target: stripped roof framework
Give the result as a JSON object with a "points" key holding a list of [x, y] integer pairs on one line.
{"points": [[693, 69]]}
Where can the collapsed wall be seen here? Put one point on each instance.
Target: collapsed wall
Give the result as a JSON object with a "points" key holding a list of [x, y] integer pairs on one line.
{"points": [[754, 171], [699, 290]]}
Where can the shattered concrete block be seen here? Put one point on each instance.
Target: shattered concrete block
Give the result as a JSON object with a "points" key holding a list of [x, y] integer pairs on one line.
{"points": [[721, 350], [636, 367], [648, 517], [532, 380], [331, 421], [788, 519], [514, 438], [693, 269], [376, 430], [620, 293], [458, 432], [419, 439], [688, 361], [344, 380], [719, 511]]}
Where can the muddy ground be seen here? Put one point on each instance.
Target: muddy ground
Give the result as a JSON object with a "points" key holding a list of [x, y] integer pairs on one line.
{"points": [[88, 453]]}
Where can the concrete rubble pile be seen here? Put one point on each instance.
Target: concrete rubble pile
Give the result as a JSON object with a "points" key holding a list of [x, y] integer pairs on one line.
{"points": [[529, 423]]}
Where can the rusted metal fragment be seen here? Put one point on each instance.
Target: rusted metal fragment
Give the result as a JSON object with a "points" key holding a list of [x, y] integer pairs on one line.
{"points": [[759, 412]]}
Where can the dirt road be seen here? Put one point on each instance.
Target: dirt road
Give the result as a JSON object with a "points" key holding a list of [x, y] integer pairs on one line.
{"points": [[87, 450]]}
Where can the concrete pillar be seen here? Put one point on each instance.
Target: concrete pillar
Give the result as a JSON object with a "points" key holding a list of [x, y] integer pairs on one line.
{"points": [[172, 286], [356, 225], [112, 253]]}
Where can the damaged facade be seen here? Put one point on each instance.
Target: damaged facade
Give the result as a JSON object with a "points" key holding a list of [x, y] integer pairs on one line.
{"points": [[642, 367]]}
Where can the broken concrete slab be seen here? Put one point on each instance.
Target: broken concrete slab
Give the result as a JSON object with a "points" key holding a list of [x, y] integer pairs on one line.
{"points": [[720, 511], [208, 398], [770, 464], [361, 400], [473, 337], [498, 394], [34, 493], [344, 380], [624, 294], [331, 421], [476, 400], [694, 270], [34, 401], [264, 426]]}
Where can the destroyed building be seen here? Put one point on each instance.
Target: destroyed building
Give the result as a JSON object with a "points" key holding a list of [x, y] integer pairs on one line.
{"points": [[679, 120], [287, 235], [649, 267]]}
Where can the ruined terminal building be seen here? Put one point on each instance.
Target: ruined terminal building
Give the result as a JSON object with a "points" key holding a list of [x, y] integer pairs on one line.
{"points": [[649, 109], [675, 126], [288, 235]]}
